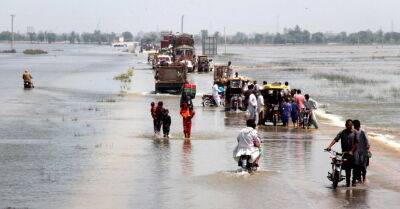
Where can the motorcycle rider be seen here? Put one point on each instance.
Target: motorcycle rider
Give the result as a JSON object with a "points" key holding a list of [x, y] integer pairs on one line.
{"points": [[27, 77], [348, 140], [311, 105], [249, 143]]}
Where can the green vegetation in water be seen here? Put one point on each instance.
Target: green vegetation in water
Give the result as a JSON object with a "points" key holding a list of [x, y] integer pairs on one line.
{"points": [[110, 100], [125, 79], [34, 51], [294, 69], [345, 79], [8, 51], [283, 63], [395, 92]]}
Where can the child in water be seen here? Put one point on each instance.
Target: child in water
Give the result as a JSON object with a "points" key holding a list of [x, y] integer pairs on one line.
{"points": [[287, 110], [166, 123], [153, 115], [187, 115], [294, 113]]}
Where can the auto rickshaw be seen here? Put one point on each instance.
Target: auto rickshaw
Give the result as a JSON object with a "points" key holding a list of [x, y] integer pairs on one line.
{"points": [[203, 64], [234, 95], [274, 94]]}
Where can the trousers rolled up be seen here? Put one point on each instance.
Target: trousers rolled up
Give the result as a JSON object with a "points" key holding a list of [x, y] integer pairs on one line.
{"points": [[253, 114]]}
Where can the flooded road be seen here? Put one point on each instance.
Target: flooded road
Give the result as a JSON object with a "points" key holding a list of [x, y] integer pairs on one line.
{"points": [[75, 142]]}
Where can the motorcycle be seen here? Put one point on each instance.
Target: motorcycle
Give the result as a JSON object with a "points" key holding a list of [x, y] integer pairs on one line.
{"points": [[236, 102], [208, 100], [336, 174], [28, 85], [305, 119], [244, 163]]}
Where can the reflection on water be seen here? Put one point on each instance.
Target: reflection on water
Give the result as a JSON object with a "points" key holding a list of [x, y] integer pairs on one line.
{"points": [[187, 161]]}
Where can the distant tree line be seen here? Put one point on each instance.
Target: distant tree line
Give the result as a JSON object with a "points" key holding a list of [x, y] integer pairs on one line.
{"points": [[294, 35], [96, 37], [298, 35]]}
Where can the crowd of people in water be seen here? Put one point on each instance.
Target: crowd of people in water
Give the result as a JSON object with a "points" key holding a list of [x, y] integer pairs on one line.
{"points": [[263, 105], [354, 141]]}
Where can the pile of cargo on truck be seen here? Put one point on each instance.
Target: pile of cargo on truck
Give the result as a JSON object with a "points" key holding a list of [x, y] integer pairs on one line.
{"points": [[170, 78], [175, 58]]}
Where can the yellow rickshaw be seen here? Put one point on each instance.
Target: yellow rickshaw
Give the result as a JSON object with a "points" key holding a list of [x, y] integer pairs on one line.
{"points": [[274, 94]]}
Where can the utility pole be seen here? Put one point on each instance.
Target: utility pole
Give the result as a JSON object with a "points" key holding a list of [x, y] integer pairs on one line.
{"points": [[381, 36], [391, 31], [225, 40], [183, 16], [277, 24], [12, 31]]}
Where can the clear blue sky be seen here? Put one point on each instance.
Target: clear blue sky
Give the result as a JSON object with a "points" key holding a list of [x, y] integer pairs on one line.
{"points": [[236, 15]]}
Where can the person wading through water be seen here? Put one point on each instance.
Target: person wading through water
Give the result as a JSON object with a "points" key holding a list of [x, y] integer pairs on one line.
{"points": [[159, 116], [348, 140], [187, 115], [153, 115], [362, 154], [166, 123]]}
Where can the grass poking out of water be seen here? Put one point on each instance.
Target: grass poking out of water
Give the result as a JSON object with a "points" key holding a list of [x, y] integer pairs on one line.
{"points": [[395, 92], [34, 51], [8, 51], [294, 69], [125, 79], [345, 79], [107, 100]]}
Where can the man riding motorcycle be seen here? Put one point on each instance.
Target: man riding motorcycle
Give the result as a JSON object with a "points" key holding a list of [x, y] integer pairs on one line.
{"points": [[27, 77], [248, 144]]}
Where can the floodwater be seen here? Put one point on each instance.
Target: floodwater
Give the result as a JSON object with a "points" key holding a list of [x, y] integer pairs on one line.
{"points": [[76, 141]]}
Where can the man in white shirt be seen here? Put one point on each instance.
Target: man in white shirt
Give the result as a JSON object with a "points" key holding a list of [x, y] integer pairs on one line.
{"points": [[260, 107], [215, 93], [252, 107], [311, 105], [248, 143]]}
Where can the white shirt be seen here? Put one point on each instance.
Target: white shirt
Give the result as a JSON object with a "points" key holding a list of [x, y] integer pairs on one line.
{"points": [[311, 104], [215, 90], [260, 101], [211, 65], [247, 137], [252, 100]]}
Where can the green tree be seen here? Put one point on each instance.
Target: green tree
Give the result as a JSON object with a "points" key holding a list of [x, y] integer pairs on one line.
{"points": [[51, 37], [72, 37], [127, 36], [318, 38], [41, 36]]}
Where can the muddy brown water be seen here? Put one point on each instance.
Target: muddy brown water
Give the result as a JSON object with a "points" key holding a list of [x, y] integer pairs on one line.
{"points": [[74, 142]]}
